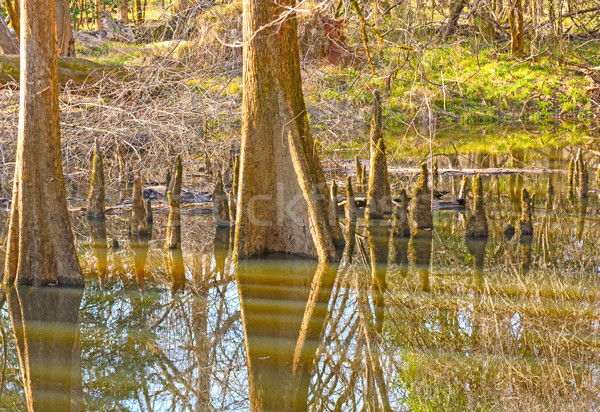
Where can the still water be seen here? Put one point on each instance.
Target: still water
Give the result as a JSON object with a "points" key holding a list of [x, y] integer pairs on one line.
{"points": [[431, 322]]}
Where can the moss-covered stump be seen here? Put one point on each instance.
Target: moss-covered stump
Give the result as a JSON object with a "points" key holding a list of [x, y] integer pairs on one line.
{"points": [[138, 223], [400, 224], [525, 222], [464, 188], [477, 225], [379, 200], [420, 212]]}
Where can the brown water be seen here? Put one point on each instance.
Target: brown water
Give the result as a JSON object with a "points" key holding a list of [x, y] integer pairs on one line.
{"points": [[429, 323]]}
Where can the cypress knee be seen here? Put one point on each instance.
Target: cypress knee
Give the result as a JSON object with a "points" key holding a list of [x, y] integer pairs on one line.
{"points": [[525, 223], [350, 215], [173, 237], [220, 203], [421, 204], [138, 223], [477, 223], [379, 200], [96, 197], [400, 226]]}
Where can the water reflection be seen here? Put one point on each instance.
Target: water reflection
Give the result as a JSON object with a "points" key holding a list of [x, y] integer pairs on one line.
{"points": [[284, 306], [476, 247], [421, 245], [100, 247], [46, 328]]}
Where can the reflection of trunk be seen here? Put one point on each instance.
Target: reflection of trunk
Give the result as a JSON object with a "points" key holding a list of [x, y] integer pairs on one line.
{"points": [[476, 248], [525, 241], [64, 32], [282, 201], [176, 269], [100, 246], [582, 213], [378, 235], [221, 245], [201, 273], [139, 246], [284, 306], [421, 244], [46, 328]]}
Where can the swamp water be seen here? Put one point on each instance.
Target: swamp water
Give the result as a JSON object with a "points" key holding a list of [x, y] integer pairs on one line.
{"points": [[443, 324]]}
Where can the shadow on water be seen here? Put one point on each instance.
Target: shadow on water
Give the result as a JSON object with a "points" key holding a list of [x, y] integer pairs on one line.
{"points": [[46, 329]]}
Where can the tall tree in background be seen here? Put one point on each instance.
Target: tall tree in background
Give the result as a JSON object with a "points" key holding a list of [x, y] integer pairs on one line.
{"points": [[40, 249], [282, 199], [62, 18]]}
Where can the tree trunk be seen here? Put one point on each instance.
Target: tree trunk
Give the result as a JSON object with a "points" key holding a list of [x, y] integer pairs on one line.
{"points": [[13, 12], [123, 12], [64, 32], [282, 202], [7, 44], [40, 246], [457, 8]]}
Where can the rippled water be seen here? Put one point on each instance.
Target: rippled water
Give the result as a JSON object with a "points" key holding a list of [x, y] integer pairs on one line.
{"points": [[428, 323]]}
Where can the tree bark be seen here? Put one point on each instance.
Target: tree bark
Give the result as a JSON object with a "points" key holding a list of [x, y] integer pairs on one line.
{"points": [[13, 13], [282, 202], [64, 32], [123, 12], [457, 8], [7, 44], [40, 246]]}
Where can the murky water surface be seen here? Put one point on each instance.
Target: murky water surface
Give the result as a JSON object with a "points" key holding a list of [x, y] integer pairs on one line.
{"points": [[428, 323]]}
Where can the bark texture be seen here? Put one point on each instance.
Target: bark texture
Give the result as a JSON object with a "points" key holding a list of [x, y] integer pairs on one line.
{"points": [[7, 44], [64, 32], [40, 247], [379, 200], [420, 210], [283, 204]]}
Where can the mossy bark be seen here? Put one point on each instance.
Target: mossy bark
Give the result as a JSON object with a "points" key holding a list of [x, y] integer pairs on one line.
{"points": [[420, 210], [40, 246], [379, 200], [173, 235], [400, 225], [333, 205], [282, 202]]}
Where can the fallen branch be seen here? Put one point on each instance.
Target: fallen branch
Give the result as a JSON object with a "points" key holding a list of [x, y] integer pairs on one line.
{"points": [[70, 69]]}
